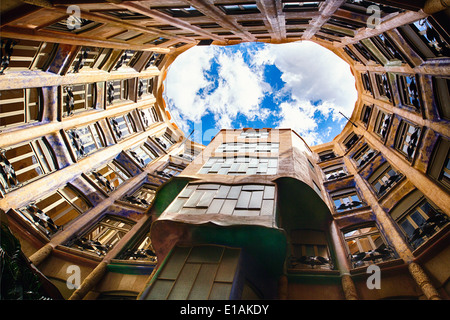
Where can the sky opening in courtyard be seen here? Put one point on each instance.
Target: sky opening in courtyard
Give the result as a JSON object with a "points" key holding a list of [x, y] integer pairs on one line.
{"points": [[299, 85]]}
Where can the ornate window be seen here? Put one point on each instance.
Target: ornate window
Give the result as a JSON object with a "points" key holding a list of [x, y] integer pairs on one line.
{"points": [[418, 218], [384, 179], [237, 200], [24, 163], [104, 236], [365, 77], [298, 6], [143, 154], [154, 61], [240, 166], [142, 251], [116, 91], [148, 116], [382, 82], [441, 89], [55, 210], [366, 246], [145, 87], [255, 134], [170, 170], [387, 47], [425, 37], [20, 55], [122, 126], [89, 58], [108, 177], [350, 140], [327, 155], [309, 250], [142, 197], [78, 97], [334, 172], [19, 106], [409, 91], [66, 25], [439, 166], [189, 154], [86, 140], [165, 140], [382, 124], [346, 199], [365, 114], [249, 147], [126, 57], [363, 155], [407, 139], [244, 8]]}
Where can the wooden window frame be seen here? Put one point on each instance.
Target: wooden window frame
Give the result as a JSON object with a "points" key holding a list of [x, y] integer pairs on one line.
{"points": [[376, 253], [89, 100], [104, 234], [142, 197], [351, 195], [74, 140], [26, 107], [48, 224], [364, 155], [145, 114], [406, 91], [366, 114], [382, 124], [334, 172], [240, 166], [143, 154], [42, 158], [439, 165], [141, 251], [126, 121], [384, 179], [383, 86], [403, 139], [418, 219], [102, 183], [120, 91], [309, 250]]}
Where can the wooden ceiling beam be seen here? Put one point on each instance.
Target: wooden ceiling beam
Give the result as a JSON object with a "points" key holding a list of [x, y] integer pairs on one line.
{"points": [[327, 10], [220, 18], [165, 18], [272, 11], [60, 37]]}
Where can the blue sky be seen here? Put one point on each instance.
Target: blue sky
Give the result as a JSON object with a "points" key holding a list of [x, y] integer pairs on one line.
{"points": [[299, 85]]}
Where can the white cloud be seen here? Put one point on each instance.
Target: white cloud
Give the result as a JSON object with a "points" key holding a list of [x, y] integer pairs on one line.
{"points": [[311, 74], [240, 88]]}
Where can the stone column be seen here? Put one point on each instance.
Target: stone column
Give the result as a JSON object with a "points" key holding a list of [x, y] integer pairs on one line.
{"points": [[91, 280], [349, 287], [423, 281], [283, 288], [40, 255], [433, 6]]}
